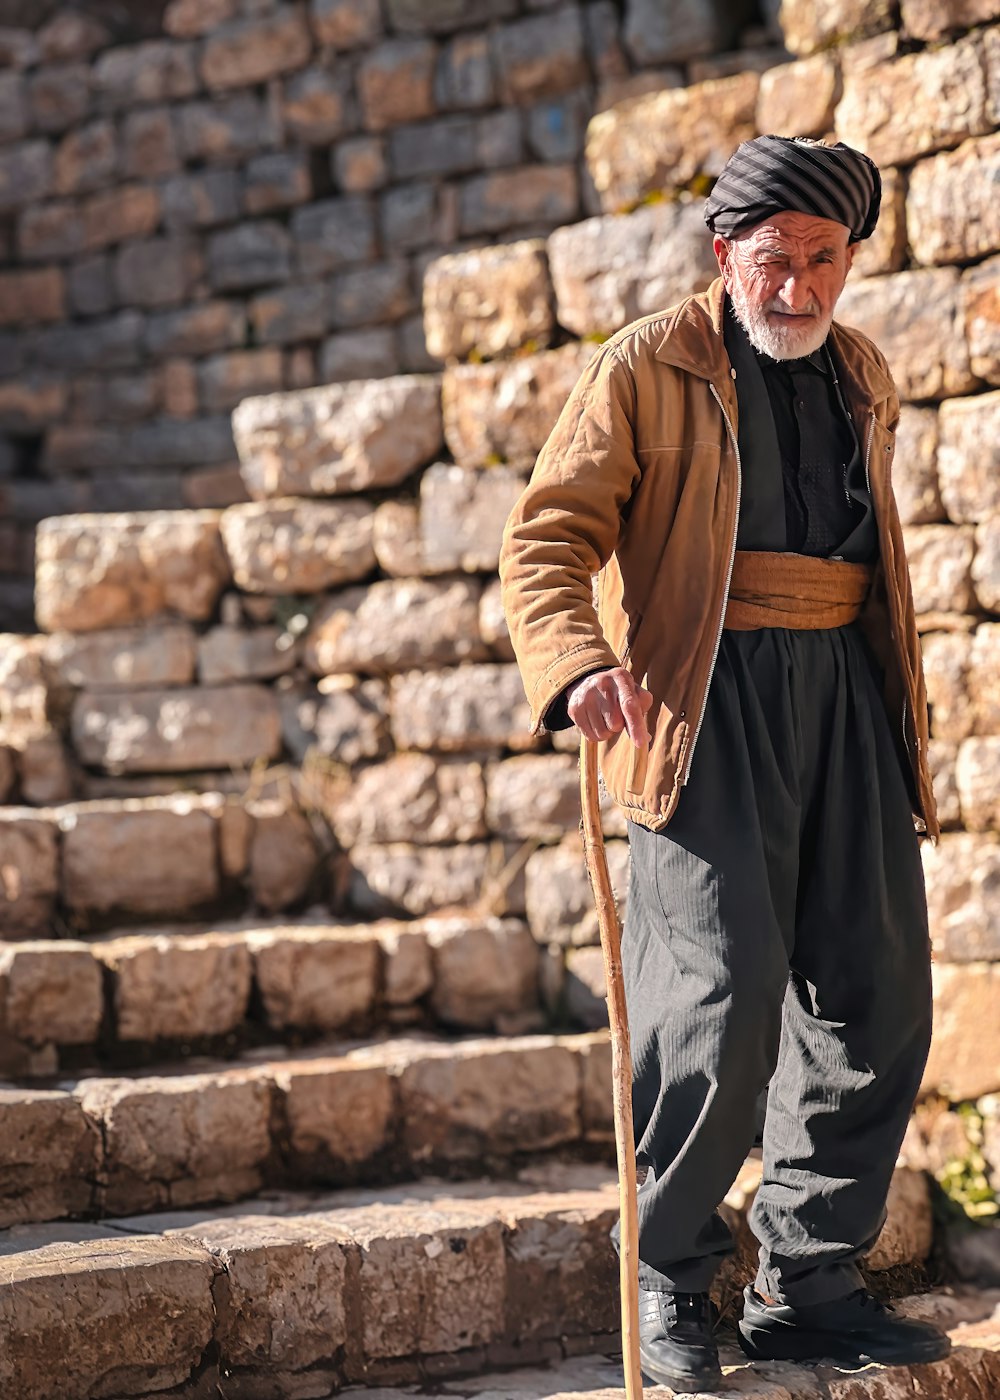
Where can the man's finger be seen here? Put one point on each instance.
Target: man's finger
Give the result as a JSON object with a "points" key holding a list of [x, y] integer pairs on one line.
{"points": [[633, 712]]}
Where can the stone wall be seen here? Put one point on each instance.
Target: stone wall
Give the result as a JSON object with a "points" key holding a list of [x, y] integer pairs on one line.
{"points": [[244, 200]]}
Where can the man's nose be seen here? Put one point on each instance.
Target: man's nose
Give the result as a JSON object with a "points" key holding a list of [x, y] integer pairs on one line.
{"points": [[795, 292]]}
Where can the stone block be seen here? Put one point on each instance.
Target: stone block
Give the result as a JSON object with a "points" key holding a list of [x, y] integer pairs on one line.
{"points": [[29, 871], [489, 1099], [556, 128], [395, 82], [339, 438], [206, 1136], [345, 24], [407, 971], [86, 159], [250, 255], [933, 19], [403, 879], [411, 797], [347, 720], [977, 776], [492, 621], [157, 71], [225, 379], [157, 272], [462, 515], [808, 28], [940, 562], [284, 315], [145, 856], [611, 270], [113, 343], [396, 538], [394, 624], [52, 992], [916, 104], [371, 353], [980, 300], [49, 1158], [59, 98], [333, 233], [29, 405], [120, 657], [189, 19], [32, 295], [317, 107], [983, 678], [276, 180], [340, 1113], [966, 179], [465, 73], [226, 130], [585, 991], [381, 292], [540, 55], [665, 139], [962, 876], [485, 971], [488, 300], [964, 1061], [914, 469], [558, 897], [417, 215], [506, 410], [108, 570], [26, 174], [281, 547], [467, 707], [201, 199], [915, 318], [969, 457], [241, 654], [129, 211], [244, 52], [172, 985], [528, 194], [90, 286], [283, 854], [947, 658], [315, 978], [986, 565], [359, 164], [442, 16], [941, 756], [196, 330], [169, 731], [18, 48], [798, 99], [52, 230], [71, 35], [149, 143], [886, 249], [23, 682], [537, 796], [500, 142]]}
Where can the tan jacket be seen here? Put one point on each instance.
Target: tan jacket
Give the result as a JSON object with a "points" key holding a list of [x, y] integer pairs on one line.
{"points": [[639, 483]]}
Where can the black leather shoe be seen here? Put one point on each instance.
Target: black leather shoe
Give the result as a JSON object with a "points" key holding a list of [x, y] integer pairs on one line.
{"points": [[854, 1330], [676, 1346]]}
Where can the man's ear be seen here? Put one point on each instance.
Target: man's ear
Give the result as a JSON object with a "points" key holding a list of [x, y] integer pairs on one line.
{"points": [[850, 256], [722, 248]]}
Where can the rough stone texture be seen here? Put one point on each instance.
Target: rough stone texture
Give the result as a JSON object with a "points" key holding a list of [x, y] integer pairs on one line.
{"points": [[540, 55], [977, 775], [914, 469], [26, 174], [148, 856], [29, 870], [611, 270], [798, 99], [345, 24], [506, 410], [121, 657], [915, 104], [915, 318], [493, 624], [528, 194], [395, 83], [342, 437], [966, 179], [490, 1099], [251, 51], [940, 560], [986, 565], [396, 623], [401, 879], [965, 1053], [32, 295], [585, 988], [289, 546], [319, 978], [969, 457], [963, 876], [933, 19], [664, 139], [316, 106], [139, 1311], [51, 993], [941, 756], [173, 985], [241, 654], [206, 1135], [810, 26], [980, 297], [538, 796], [96, 571], [558, 897], [412, 797], [340, 1113], [170, 731], [23, 694], [462, 516], [408, 971], [484, 972], [886, 249], [488, 300], [396, 538], [466, 707], [947, 659], [283, 855], [347, 721]]}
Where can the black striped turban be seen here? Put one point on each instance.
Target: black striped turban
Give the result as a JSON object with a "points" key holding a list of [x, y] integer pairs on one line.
{"points": [[773, 173]]}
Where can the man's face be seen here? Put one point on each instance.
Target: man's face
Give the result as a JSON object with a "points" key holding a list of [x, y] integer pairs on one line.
{"points": [[784, 278]]}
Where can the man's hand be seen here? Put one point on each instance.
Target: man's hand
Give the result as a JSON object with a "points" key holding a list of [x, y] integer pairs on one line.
{"points": [[606, 702]]}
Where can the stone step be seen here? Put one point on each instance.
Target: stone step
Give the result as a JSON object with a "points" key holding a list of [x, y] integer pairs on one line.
{"points": [[152, 995], [296, 1294]]}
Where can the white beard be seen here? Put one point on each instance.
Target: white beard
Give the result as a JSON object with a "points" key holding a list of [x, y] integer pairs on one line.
{"points": [[781, 342]]}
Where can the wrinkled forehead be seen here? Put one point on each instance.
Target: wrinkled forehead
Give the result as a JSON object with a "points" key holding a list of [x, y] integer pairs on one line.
{"points": [[795, 233]]}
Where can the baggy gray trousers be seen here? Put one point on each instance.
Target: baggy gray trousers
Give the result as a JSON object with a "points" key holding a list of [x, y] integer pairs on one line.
{"points": [[776, 936]]}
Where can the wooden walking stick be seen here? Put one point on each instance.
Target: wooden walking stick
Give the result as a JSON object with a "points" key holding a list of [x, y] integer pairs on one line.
{"points": [[621, 1062]]}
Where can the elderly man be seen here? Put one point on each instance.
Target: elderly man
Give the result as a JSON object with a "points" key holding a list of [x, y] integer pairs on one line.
{"points": [[749, 664]]}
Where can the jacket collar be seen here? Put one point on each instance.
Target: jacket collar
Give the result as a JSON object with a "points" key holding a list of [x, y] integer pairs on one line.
{"points": [[694, 342]]}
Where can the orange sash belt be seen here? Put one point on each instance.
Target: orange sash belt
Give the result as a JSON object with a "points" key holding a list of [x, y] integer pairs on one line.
{"points": [[794, 590]]}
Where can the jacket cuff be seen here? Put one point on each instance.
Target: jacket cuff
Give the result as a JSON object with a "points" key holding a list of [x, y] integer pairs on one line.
{"points": [[571, 666], [556, 716]]}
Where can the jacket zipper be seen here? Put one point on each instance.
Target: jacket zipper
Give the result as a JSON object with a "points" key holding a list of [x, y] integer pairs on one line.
{"points": [[729, 579]]}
